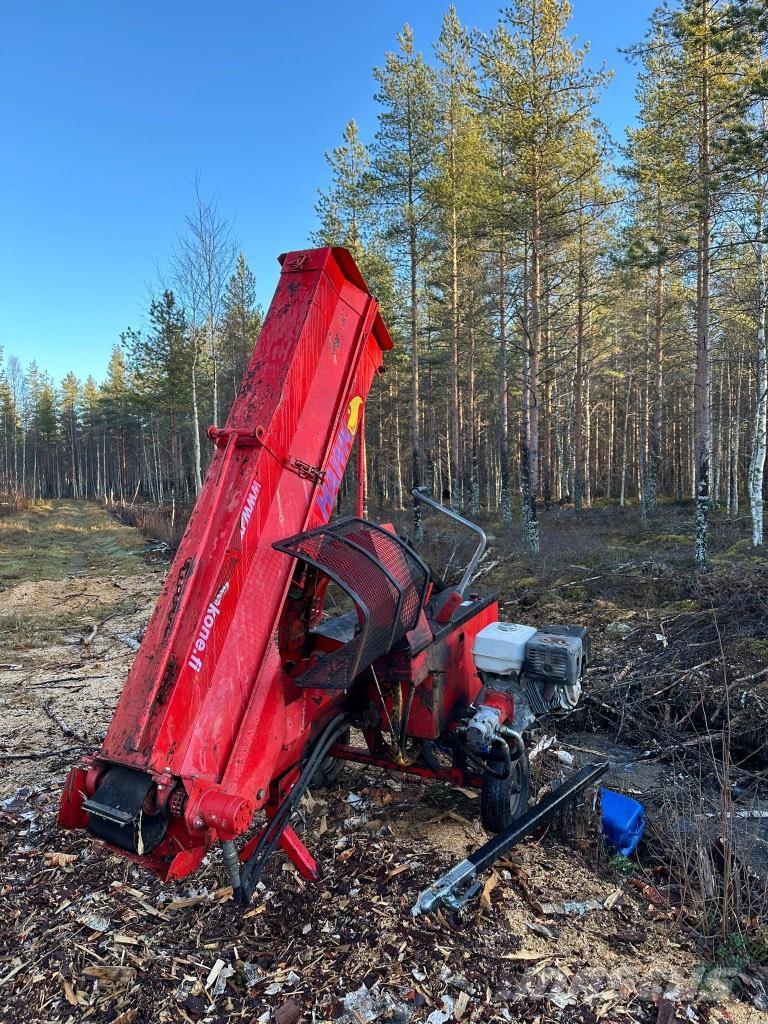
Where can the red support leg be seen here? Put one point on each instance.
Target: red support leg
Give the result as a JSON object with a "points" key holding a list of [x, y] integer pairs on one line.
{"points": [[299, 855], [293, 848]]}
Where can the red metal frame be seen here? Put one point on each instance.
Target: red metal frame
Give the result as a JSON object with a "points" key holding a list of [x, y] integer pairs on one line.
{"points": [[210, 709]]}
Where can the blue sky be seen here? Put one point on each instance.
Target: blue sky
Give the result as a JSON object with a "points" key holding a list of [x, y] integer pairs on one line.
{"points": [[108, 111]]}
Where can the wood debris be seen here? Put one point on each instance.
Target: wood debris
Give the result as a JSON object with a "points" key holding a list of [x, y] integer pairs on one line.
{"points": [[121, 946]]}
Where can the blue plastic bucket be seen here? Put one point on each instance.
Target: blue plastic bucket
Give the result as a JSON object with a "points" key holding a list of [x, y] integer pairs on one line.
{"points": [[623, 820]]}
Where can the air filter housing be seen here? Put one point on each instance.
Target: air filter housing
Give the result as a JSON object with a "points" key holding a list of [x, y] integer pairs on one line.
{"points": [[554, 658]]}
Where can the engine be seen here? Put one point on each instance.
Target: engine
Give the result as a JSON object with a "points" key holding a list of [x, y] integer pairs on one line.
{"points": [[532, 671]]}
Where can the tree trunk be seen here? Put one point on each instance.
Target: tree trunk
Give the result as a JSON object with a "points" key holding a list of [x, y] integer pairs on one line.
{"points": [[757, 462], [196, 422], [578, 381], [653, 470], [736, 439], [547, 363], [625, 439], [454, 442], [474, 475], [418, 528], [506, 497], [703, 366]]}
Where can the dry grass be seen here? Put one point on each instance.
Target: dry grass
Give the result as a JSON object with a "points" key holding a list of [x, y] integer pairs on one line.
{"points": [[55, 539], [165, 523], [14, 501]]}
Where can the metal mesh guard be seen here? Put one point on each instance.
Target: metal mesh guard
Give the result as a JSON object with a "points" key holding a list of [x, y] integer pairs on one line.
{"points": [[383, 576]]}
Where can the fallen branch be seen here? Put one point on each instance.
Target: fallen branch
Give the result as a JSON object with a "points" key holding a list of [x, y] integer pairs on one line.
{"points": [[619, 570], [68, 730], [86, 641], [66, 679], [128, 640], [751, 679], [41, 755]]}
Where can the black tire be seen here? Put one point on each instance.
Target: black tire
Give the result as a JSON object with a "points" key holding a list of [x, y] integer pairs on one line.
{"points": [[502, 801], [327, 775]]}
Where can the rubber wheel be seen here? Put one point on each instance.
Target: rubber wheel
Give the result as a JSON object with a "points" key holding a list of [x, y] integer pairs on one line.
{"points": [[327, 775], [502, 801]]}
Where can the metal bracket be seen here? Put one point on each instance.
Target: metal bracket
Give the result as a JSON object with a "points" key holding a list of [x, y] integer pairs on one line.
{"points": [[457, 887], [304, 470], [221, 436], [420, 495]]}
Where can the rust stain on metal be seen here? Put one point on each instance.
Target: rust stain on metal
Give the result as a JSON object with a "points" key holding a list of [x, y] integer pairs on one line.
{"points": [[178, 590]]}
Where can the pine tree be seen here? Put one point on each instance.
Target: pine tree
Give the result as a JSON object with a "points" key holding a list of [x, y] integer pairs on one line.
{"points": [[537, 96], [655, 237], [456, 190], [708, 70], [159, 363], [403, 166], [70, 422], [241, 323]]}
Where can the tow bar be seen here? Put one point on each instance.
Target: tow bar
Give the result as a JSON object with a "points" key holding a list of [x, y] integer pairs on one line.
{"points": [[458, 886]]}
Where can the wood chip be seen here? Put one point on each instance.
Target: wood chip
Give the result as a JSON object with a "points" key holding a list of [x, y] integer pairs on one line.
{"points": [[471, 794], [214, 973], [69, 992], [611, 900], [490, 885], [188, 901], [127, 1016], [12, 974], [54, 859], [110, 975], [288, 1013], [460, 1006], [527, 956], [399, 870]]}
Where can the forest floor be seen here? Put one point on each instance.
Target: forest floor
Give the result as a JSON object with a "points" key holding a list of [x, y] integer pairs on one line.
{"points": [[677, 700]]}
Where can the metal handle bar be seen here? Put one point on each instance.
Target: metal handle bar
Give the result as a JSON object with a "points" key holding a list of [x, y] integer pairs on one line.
{"points": [[469, 572]]}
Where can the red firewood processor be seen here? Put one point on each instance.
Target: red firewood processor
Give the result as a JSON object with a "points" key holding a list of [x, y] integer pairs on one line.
{"points": [[249, 678]]}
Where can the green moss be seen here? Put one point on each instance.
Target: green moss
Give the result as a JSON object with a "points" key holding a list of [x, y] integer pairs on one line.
{"points": [[666, 540], [668, 611], [749, 647], [745, 549]]}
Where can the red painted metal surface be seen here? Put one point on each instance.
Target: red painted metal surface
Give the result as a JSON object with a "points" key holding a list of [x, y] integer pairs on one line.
{"points": [[293, 847], [442, 669], [206, 703], [361, 756], [213, 710]]}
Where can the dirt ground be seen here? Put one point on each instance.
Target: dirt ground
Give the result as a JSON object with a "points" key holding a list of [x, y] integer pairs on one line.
{"points": [[562, 933], [69, 628]]}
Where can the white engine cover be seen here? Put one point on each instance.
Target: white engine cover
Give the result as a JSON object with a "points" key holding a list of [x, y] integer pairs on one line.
{"points": [[500, 648]]}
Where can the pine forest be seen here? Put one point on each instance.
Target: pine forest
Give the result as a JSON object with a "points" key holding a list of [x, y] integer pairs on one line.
{"points": [[578, 319]]}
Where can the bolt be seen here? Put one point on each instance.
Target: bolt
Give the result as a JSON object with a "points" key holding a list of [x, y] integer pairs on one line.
{"points": [[198, 822], [260, 795]]}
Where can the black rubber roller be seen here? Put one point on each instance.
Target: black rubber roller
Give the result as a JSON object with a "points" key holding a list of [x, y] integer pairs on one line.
{"points": [[116, 812]]}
